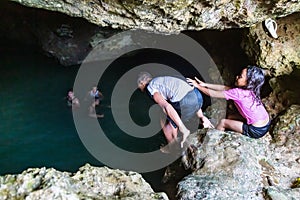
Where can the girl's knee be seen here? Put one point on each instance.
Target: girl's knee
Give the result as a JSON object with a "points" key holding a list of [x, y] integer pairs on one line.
{"points": [[223, 121], [221, 125]]}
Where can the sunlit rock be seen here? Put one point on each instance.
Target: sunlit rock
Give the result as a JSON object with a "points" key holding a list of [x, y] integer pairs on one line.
{"points": [[87, 183], [279, 56], [228, 165], [169, 16]]}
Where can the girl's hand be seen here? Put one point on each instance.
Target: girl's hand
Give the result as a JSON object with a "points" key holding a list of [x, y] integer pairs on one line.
{"points": [[201, 83], [192, 82]]}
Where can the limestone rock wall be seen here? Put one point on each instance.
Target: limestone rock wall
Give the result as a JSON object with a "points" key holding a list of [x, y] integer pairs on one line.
{"points": [[166, 16], [59, 36], [87, 183], [285, 93], [279, 56], [287, 128], [228, 165], [224, 165]]}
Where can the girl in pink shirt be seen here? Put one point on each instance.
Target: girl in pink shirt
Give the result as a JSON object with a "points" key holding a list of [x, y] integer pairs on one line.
{"points": [[246, 97]]}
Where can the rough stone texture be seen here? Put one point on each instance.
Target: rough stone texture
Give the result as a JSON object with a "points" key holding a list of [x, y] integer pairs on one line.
{"points": [[228, 165], [279, 56], [288, 126], [285, 92], [62, 37], [169, 16], [87, 183], [283, 156], [225, 168], [282, 194]]}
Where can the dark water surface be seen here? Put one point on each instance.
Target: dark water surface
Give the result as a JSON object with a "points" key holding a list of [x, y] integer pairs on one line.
{"points": [[36, 125]]}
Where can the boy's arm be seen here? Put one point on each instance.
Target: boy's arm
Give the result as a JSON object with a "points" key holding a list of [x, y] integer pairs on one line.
{"points": [[170, 111]]}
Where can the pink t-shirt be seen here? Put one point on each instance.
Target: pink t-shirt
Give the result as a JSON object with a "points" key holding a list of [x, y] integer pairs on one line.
{"points": [[244, 101]]}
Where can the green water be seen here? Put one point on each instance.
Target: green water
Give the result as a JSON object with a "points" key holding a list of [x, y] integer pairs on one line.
{"points": [[37, 127]]}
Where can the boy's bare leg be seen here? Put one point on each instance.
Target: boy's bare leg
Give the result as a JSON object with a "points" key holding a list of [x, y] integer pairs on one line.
{"points": [[169, 131], [233, 125]]}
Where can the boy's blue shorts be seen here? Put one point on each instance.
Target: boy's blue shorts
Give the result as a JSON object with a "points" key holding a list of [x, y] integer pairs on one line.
{"points": [[188, 106]]}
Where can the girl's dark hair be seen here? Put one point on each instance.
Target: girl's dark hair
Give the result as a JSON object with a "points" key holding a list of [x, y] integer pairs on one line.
{"points": [[255, 80]]}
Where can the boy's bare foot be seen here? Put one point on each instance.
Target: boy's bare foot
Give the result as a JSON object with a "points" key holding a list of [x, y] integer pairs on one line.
{"points": [[171, 147], [100, 116], [165, 149], [184, 136]]}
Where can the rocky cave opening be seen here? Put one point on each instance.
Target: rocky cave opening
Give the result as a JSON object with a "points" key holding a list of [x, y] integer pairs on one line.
{"points": [[53, 33]]}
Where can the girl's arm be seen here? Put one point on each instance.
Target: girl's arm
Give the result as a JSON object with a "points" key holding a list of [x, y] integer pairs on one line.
{"points": [[212, 90], [216, 87], [212, 86]]}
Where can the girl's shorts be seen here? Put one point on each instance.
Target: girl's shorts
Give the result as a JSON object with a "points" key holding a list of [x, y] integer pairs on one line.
{"points": [[255, 132]]}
